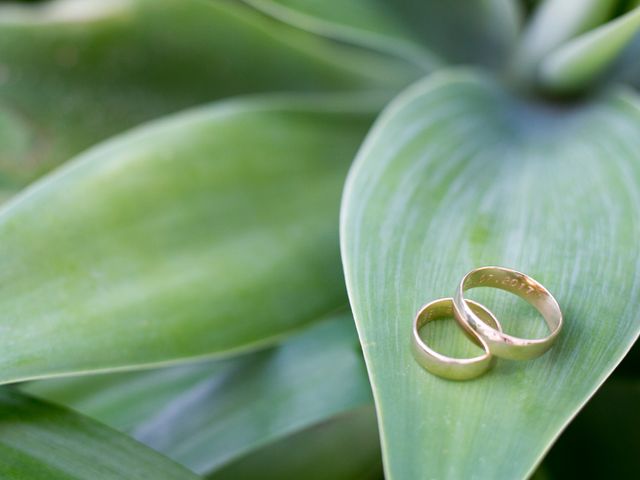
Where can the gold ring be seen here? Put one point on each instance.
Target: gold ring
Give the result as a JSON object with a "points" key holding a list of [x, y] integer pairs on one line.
{"points": [[441, 365], [500, 344]]}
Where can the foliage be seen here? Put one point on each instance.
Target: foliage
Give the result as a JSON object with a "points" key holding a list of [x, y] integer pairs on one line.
{"points": [[182, 250]]}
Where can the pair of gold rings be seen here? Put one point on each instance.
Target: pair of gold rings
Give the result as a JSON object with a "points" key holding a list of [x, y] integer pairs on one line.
{"points": [[482, 327]]}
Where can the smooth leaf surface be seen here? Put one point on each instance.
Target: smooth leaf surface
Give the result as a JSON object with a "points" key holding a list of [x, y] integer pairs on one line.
{"points": [[212, 231], [458, 174], [581, 62], [343, 448], [73, 73], [207, 415], [39, 441], [370, 23]]}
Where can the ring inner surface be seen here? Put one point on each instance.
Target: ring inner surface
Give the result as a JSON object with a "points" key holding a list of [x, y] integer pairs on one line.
{"points": [[443, 309], [520, 285]]}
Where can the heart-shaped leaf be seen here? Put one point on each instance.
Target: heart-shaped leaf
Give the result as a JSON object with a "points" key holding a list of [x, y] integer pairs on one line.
{"points": [[208, 415], [39, 441], [458, 174], [169, 242]]}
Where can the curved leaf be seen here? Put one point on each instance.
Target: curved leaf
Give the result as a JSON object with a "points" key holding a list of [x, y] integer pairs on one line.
{"points": [[72, 76], [581, 62], [371, 23], [207, 415], [169, 242], [457, 174], [39, 441]]}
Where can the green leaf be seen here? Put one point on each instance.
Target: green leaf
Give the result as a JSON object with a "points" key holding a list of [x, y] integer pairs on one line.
{"points": [[370, 23], [42, 441], [553, 23], [207, 415], [343, 448], [457, 174], [210, 232], [584, 60], [73, 75], [603, 440]]}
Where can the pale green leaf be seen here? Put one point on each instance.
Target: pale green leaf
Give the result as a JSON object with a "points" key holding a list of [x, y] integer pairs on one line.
{"points": [[209, 232], [207, 415], [343, 448], [458, 174], [370, 23], [73, 75], [39, 441], [584, 60]]}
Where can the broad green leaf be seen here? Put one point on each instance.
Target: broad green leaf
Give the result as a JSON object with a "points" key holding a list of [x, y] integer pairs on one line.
{"points": [[371, 23], [207, 415], [39, 441], [74, 73], [553, 23], [343, 448], [603, 441], [210, 232], [458, 174], [582, 61]]}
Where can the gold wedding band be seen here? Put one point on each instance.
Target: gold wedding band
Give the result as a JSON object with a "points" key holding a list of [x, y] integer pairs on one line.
{"points": [[442, 365], [500, 344]]}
